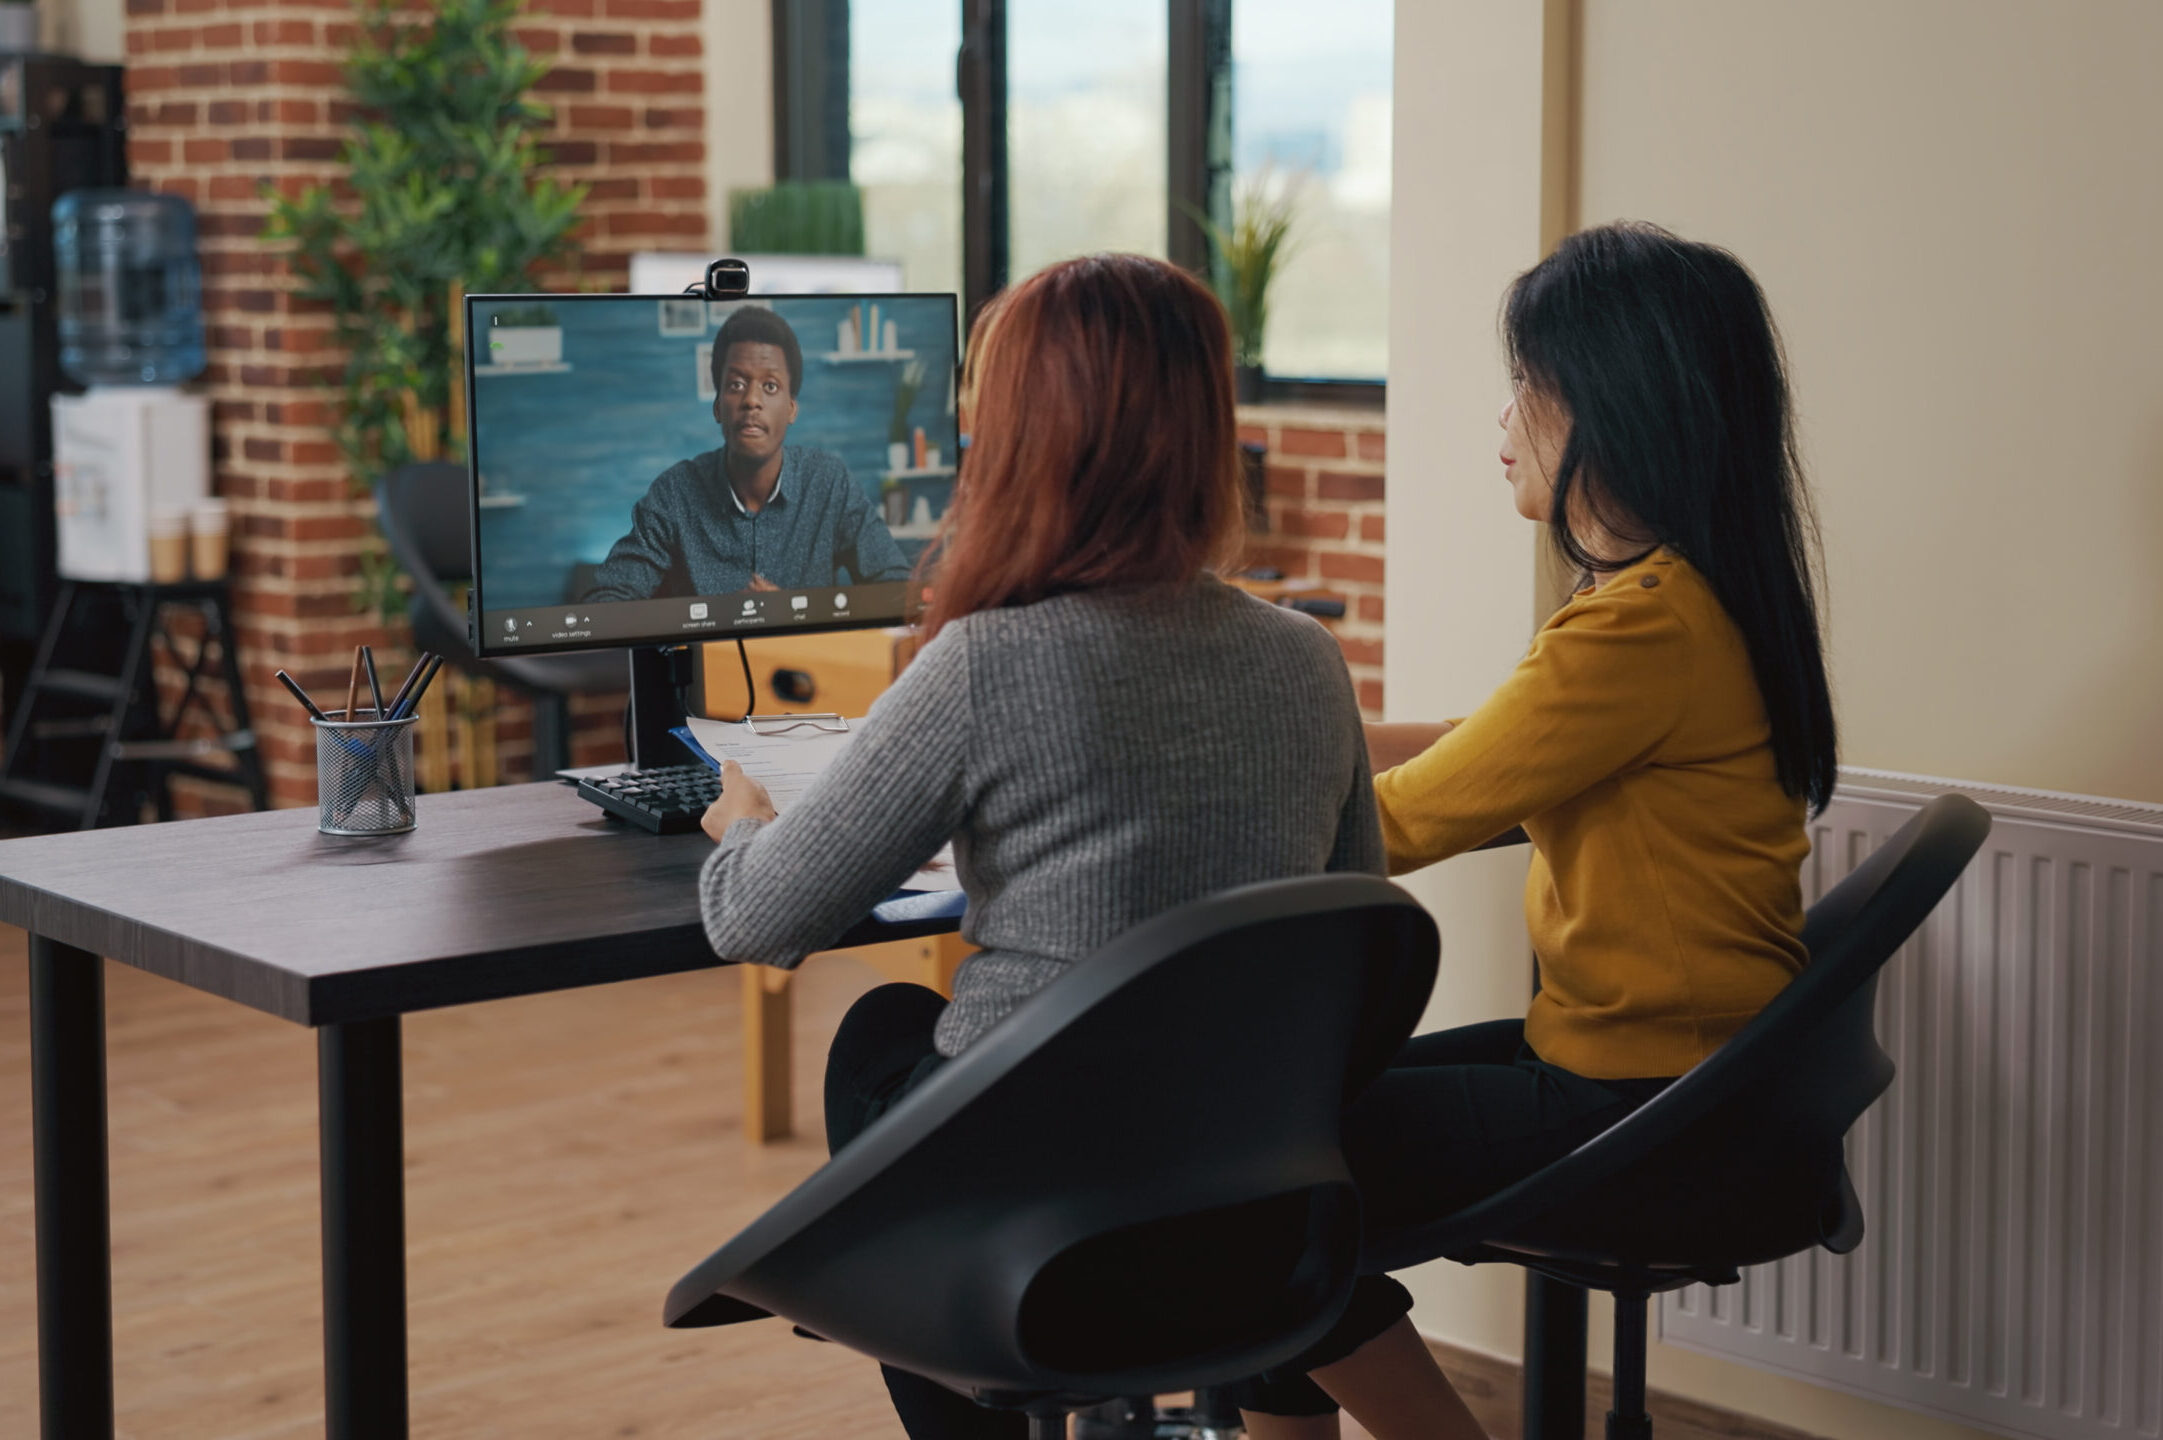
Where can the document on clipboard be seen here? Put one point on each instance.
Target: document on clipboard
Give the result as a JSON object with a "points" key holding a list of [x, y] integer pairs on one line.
{"points": [[787, 761]]}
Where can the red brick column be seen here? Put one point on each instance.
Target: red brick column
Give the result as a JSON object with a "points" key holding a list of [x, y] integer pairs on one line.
{"points": [[1325, 519], [226, 94]]}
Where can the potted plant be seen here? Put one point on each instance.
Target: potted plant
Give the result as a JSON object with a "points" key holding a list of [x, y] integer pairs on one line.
{"points": [[525, 336], [799, 217], [440, 193], [1245, 258]]}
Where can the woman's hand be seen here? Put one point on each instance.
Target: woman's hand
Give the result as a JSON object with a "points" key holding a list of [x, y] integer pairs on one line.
{"points": [[1392, 745], [742, 798]]}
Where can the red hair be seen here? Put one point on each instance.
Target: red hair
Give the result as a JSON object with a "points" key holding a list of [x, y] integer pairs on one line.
{"points": [[1103, 449]]}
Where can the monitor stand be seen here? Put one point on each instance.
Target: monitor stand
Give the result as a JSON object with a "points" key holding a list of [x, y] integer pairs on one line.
{"points": [[660, 676]]}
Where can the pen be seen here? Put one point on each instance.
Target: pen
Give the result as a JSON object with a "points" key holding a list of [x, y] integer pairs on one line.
{"points": [[368, 662], [413, 701], [302, 696], [398, 701], [352, 688]]}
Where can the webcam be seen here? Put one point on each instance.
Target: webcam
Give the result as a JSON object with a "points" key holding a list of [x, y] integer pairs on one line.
{"points": [[726, 279]]}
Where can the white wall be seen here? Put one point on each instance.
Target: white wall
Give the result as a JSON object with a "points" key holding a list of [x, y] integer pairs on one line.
{"points": [[1954, 206], [739, 105], [1465, 218]]}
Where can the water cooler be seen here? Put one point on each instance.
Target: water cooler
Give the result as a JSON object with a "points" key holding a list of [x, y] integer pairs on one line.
{"points": [[131, 455]]}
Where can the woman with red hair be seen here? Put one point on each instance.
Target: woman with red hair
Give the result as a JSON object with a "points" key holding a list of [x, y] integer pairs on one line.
{"points": [[1102, 727]]}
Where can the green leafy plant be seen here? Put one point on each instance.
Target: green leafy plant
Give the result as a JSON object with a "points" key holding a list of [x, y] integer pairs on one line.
{"points": [[439, 196], [798, 217], [1247, 255]]}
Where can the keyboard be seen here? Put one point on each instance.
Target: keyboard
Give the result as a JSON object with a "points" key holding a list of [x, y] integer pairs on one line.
{"points": [[667, 801]]}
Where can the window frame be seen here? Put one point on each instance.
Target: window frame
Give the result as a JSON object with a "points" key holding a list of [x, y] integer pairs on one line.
{"points": [[1198, 127]]}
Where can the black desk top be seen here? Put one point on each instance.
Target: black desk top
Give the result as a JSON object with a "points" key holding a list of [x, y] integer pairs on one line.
{"points": [[510, 891]]}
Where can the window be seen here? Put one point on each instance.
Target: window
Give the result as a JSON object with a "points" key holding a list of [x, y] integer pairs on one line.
{"points": [[904, 120], [1085, 118], [1311, 113], [1067, 127]]}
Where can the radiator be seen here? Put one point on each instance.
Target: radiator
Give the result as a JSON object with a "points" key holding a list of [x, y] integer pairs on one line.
{"points": [[2012, 1178]]}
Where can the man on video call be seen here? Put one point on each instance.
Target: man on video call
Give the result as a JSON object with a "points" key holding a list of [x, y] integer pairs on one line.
{"points": [[756, 514]]}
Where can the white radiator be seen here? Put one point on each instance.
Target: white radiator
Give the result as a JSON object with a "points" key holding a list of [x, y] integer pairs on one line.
{"points": [[2012, 1178]]}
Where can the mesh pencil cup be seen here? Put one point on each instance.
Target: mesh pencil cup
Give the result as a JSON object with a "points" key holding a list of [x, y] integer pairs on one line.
{"points": [[364, 775]]}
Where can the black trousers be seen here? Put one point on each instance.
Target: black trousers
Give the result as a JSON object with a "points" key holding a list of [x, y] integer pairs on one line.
{"points": [[1458, 1115], [881, 1052]]}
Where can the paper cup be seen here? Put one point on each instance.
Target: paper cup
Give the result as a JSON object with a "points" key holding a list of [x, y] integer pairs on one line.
{"points": [[168, 545], [209, 538]]}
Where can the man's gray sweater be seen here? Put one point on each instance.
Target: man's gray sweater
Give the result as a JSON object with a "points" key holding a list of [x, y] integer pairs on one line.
{"points": [[1096, 758]]}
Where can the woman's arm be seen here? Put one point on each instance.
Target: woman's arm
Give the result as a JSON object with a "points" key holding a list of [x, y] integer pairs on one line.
{"points": [[1391, 745], [775, 891], [1596, 695]]}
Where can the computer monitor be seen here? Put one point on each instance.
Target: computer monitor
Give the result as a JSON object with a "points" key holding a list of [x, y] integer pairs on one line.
{"points": [[661, 471]]}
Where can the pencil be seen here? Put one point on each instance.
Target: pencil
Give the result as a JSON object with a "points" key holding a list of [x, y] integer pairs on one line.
{"points": [[398, 701], [302, 696], [352, 687], [413, 701], [375, 689]]}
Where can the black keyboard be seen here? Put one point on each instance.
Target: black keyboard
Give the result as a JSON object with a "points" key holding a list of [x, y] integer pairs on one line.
{"points": [[667, 801]]}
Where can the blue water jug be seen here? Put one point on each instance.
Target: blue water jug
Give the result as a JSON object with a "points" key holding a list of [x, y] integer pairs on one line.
{"points": [[131, 310]]}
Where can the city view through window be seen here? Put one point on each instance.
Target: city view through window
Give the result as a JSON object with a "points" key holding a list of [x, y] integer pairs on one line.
{"points": [[1086, 149]]}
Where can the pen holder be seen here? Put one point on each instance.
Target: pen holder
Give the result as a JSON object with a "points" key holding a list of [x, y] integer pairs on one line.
{"points": [[364, 775]]}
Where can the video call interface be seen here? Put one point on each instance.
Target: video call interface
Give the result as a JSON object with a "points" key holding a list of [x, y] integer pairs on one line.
{"points": [[653, 470]]}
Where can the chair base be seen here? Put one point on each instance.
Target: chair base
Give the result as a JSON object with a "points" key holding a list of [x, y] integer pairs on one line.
{"points": [[1212, 1416]]}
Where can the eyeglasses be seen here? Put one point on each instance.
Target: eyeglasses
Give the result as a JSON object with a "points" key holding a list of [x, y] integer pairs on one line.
{"points": [[783, 724]]}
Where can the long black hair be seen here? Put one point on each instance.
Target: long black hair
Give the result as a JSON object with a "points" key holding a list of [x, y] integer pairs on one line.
{"points": [[1664, 357]]}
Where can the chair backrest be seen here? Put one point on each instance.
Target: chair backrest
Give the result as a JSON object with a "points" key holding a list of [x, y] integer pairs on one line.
{"points": [[1790, 1083], [423, 509], [426, 516], [1133, 1184]]}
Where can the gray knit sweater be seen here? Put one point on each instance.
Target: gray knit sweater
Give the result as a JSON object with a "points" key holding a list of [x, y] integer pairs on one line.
{"points": [[1095, 758]]}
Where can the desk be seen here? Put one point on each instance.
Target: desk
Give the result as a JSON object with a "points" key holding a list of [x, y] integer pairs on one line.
{"points": [[503, 892]]}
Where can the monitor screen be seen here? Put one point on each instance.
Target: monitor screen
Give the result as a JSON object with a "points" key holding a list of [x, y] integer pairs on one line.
{"points": [[650, 470]]}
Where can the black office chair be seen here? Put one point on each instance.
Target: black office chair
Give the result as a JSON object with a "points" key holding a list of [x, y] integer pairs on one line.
{"points": [[427, 518], [1132, 1186], [1738, 1162]]}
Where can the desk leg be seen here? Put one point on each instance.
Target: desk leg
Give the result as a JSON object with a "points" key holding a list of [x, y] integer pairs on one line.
{"points": [[1554, 1359], [75, 1252], [769, 1111], [361, 1099]]}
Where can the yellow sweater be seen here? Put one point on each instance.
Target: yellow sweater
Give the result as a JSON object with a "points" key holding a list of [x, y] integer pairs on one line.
{"points": [[1665, 896]]}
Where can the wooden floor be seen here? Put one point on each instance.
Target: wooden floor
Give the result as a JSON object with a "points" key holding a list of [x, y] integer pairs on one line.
{"points": [[568, 1156]]}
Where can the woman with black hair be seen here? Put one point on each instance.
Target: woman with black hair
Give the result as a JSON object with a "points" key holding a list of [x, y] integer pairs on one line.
{"points": [[1660, 744]]}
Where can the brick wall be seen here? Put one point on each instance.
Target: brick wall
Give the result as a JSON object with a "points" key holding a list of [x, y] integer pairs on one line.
{"points": [[224, 94], [1325, 520]]}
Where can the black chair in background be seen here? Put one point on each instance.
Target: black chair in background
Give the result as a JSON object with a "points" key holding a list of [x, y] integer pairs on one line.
{"points": [[1132, 1186], [426, 516], [1737, 1163]]}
